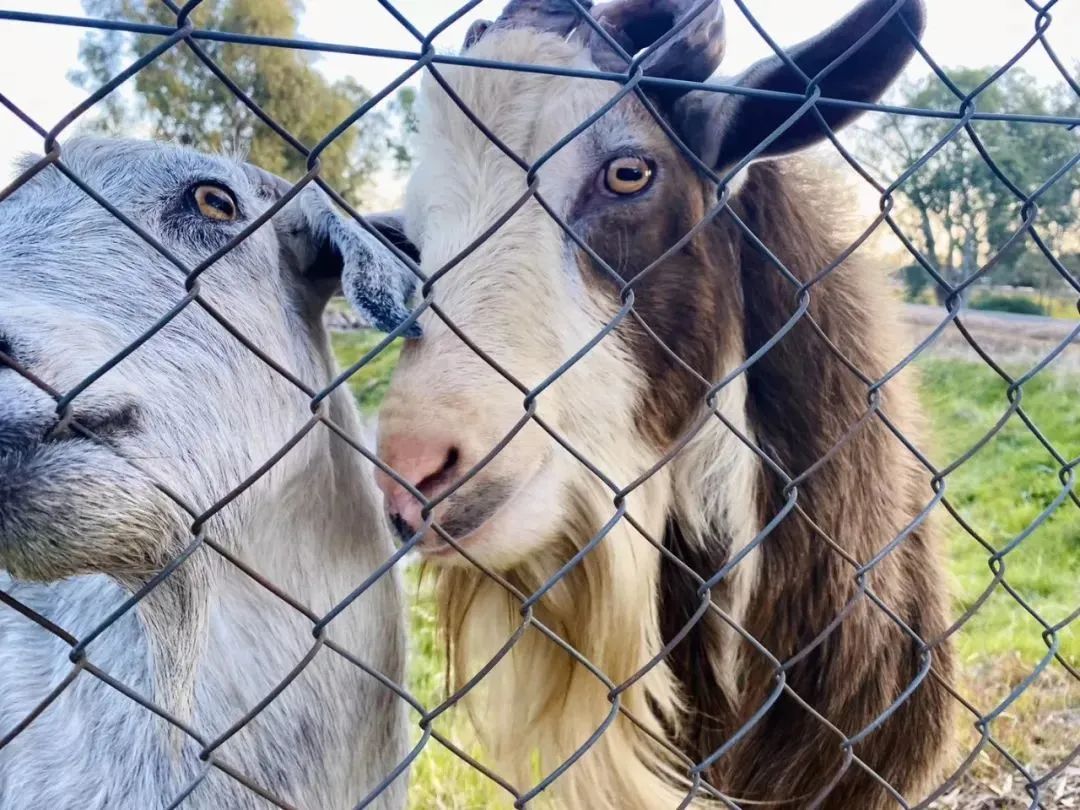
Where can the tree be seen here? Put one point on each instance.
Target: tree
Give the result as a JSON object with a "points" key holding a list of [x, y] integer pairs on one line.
{"points": [[178, 98], [963, 214], [403, 108]]}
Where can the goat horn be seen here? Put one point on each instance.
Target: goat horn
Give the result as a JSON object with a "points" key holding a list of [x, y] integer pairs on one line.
{"points": [[476, 30], [693, 53], [267, 184], [557, 16]]}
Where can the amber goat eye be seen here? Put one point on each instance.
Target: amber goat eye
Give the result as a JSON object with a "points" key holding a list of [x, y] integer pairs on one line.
{"points": [[215, 202], [627, 175]]}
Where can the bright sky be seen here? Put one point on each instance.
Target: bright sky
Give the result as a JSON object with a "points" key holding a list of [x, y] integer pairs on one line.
{"points": [[35, 58]]}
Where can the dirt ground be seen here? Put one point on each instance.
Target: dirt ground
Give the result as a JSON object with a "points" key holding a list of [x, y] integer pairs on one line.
{"points": [[1041, 730], [1015, 340]]}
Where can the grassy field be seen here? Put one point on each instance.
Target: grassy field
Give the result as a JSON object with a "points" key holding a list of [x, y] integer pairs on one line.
{"points": [[1061, 308], [1000, 492]]}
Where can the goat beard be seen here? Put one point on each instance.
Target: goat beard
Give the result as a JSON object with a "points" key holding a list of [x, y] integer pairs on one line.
{"points": [[77, 508], [540, 704]]}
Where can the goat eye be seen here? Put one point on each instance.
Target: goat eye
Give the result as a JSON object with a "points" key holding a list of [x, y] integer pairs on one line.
{"points": [[215, 202], [627, 175]]}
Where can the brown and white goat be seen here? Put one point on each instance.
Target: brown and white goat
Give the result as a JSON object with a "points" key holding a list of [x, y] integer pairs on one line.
{"points": [[839, 656]]}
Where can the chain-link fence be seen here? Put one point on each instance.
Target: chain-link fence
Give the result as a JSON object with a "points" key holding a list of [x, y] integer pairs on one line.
{"points": [[699, 775]]}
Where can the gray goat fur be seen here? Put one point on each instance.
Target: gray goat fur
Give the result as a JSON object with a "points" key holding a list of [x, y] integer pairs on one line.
{"points": [[81, 527]]}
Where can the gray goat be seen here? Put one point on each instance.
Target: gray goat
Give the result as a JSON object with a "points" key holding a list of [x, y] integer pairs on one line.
{"points": [[85, 522]]}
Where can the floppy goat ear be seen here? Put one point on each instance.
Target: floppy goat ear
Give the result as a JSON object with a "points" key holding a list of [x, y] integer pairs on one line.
{"points": [[723, 128], [333, 252]]}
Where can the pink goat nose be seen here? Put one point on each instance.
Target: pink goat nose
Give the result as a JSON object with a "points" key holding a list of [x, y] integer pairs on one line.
{"points": [[428, 464]]}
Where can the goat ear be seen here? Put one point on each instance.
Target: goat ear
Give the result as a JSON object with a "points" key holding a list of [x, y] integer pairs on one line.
{"points": [[724, 128], [330, 249], [391, 224]]}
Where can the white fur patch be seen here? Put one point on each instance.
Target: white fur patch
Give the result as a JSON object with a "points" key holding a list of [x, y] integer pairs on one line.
{"points": [[520, 297]]}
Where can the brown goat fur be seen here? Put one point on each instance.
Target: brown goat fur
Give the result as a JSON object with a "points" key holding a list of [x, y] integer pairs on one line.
{"points": [[804, 401]]}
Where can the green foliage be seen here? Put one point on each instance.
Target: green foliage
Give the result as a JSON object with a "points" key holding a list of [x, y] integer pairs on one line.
{"points": [[178, 98], [403, 108], [1026, 266], [1019, 304], [961, 214], [916, 281], [369, 383]]}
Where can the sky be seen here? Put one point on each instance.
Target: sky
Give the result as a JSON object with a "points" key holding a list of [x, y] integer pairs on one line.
{"points": [[35, 59]]}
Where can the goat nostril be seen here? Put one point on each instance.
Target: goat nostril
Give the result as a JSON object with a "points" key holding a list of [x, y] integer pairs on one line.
{"points": [[401, 527], [442, 476]]}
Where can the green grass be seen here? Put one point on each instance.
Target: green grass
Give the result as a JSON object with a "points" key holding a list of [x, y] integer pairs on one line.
{"points": [[369, 383], [1000, 492], [439, 779], [1062, 308]]}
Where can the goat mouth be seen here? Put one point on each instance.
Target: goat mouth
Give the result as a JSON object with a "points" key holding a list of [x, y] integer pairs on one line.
{"points": [[25, 440], [467, 521], [94, 425]]}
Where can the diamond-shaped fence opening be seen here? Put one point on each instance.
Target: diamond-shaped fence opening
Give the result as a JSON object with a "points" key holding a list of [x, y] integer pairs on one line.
{"points": [[733, 569]]}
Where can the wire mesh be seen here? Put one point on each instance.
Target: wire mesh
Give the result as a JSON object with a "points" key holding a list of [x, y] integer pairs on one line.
{"points": [[1042, 783]]}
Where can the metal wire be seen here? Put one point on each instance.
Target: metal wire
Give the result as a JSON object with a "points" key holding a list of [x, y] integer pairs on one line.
{"points": [[633, 81]]}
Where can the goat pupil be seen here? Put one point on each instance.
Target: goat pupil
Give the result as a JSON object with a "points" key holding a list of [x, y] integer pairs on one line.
{"points": [[628, 174], [220, 203]]}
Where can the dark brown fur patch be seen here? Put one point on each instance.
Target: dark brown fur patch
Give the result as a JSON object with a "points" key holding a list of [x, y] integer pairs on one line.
{"points": [[803, 402], [675, 298], [721, 297]]}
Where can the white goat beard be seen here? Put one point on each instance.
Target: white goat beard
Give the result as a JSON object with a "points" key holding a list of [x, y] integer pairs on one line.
{"points": [[548, 703], [539, 704]]}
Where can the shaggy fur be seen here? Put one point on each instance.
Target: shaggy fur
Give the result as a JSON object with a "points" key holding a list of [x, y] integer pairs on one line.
{"points": [[530, 298], [84, 523]]}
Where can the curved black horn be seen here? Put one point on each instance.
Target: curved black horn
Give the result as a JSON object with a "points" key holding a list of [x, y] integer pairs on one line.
{"points": [[693, 53]]}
